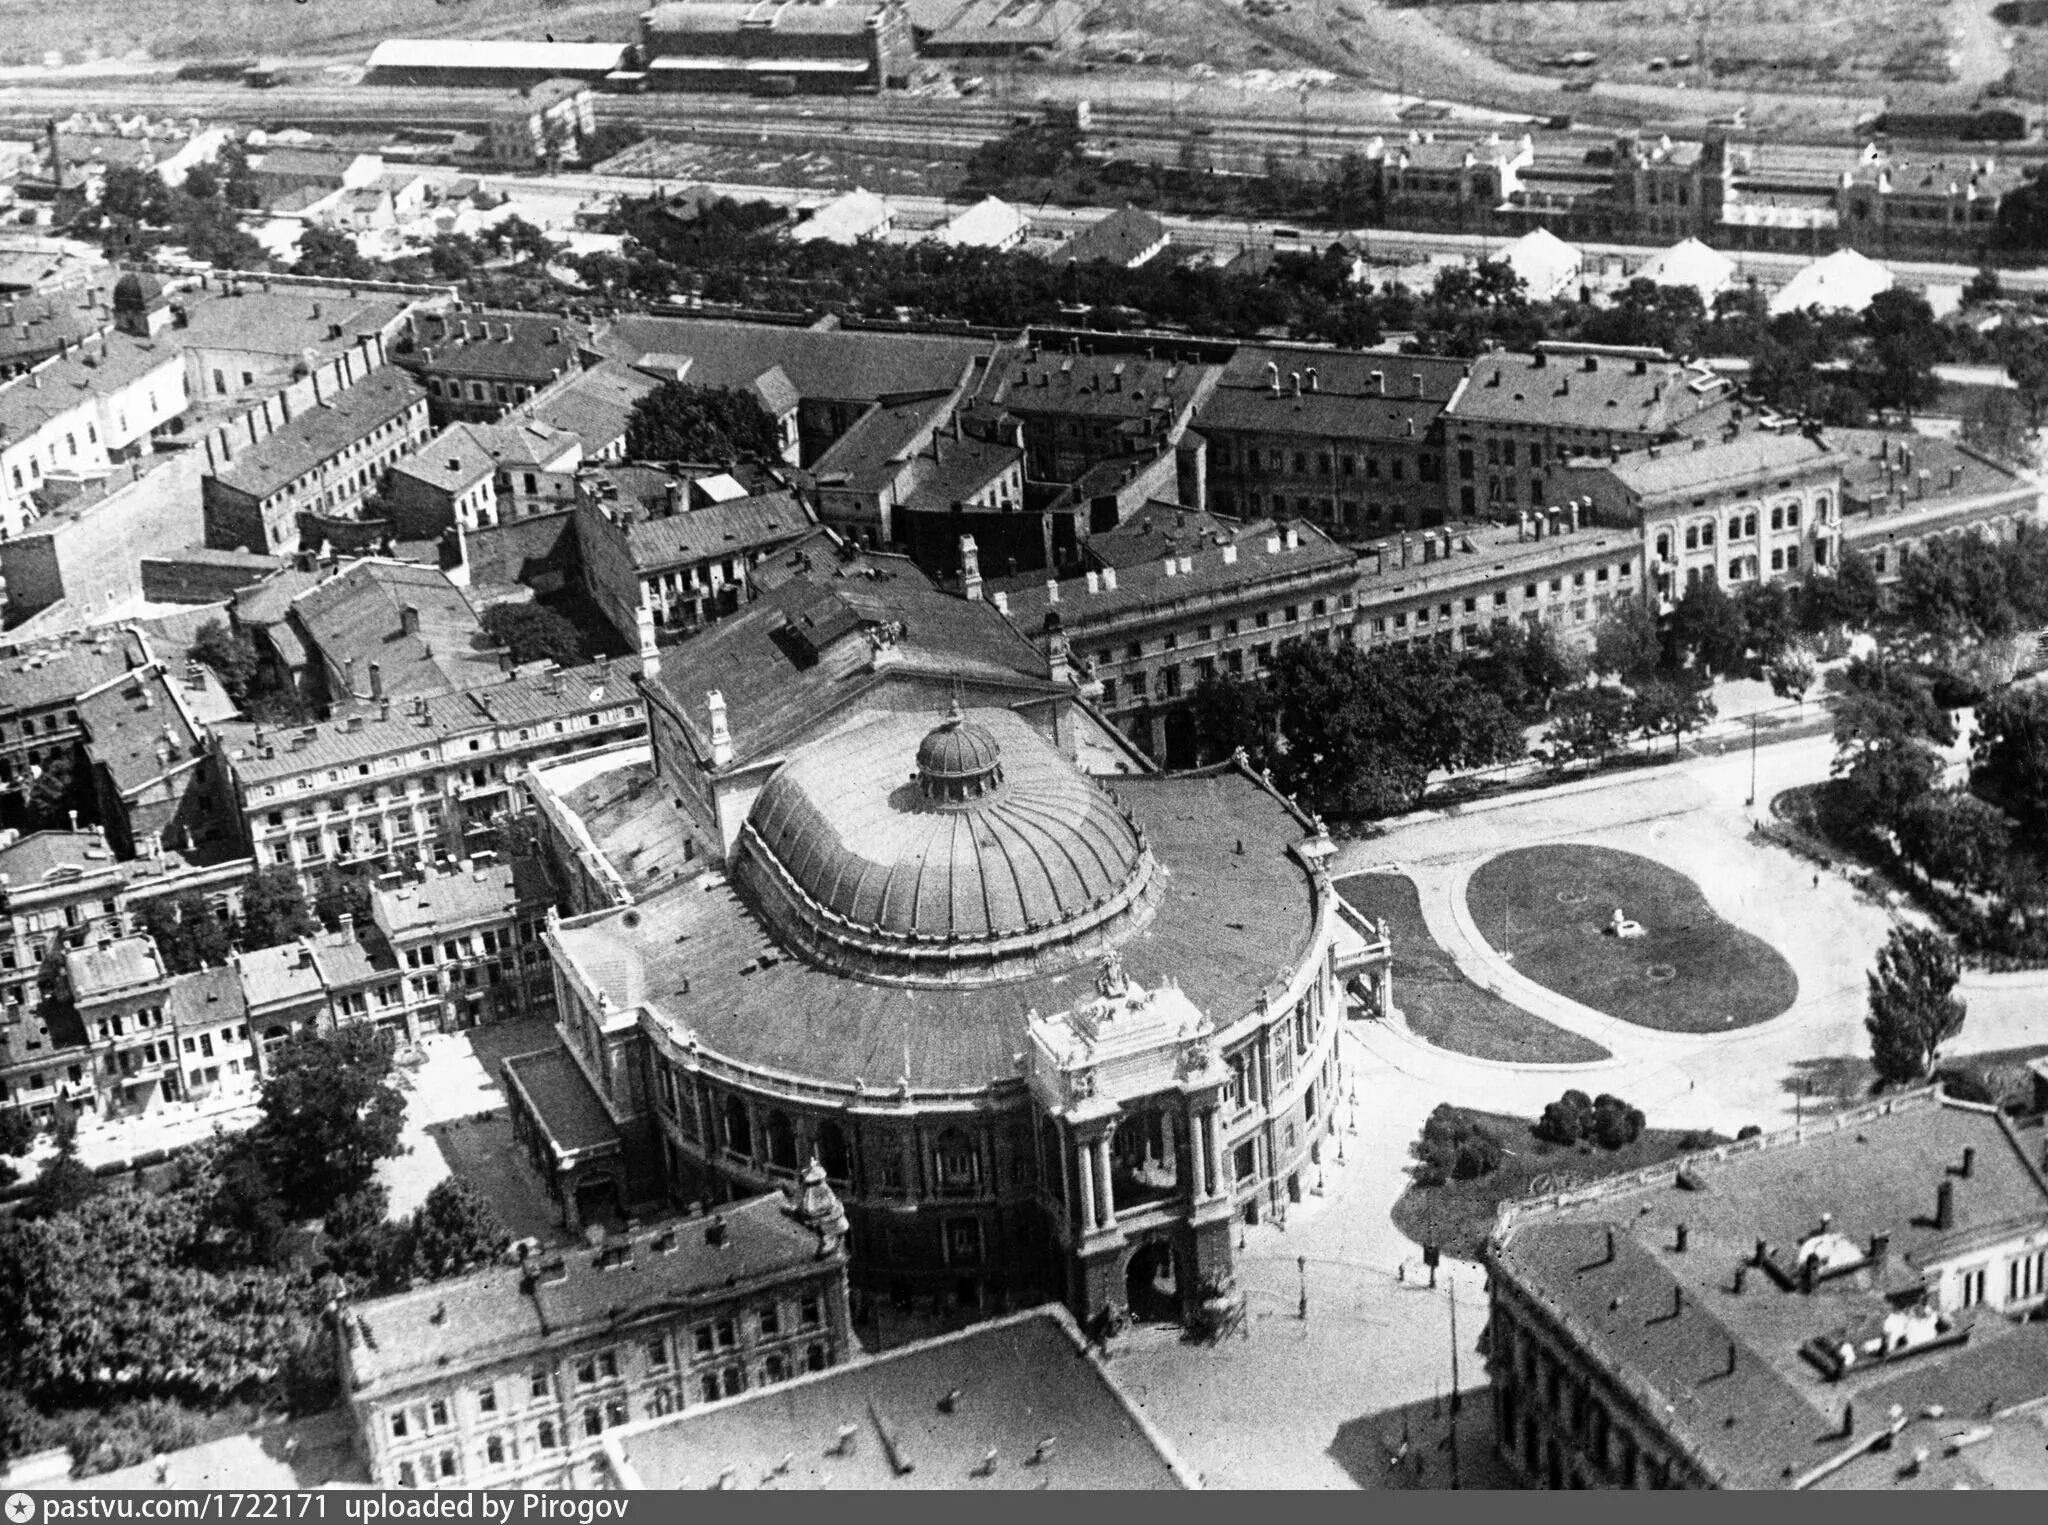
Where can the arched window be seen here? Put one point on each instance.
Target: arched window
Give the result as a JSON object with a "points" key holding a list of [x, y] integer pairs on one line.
{"points": [[832, 1151], [957, 1161], [781, 1141], [774, 1369], [739, 1132]]}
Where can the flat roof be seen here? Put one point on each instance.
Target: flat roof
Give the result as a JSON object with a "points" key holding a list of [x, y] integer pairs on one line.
{"points": [[1027, 1388], [494, 53]]}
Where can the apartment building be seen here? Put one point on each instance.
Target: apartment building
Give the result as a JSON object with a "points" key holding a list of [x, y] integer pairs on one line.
{"points": [[412, 782], [469, 941], [685, 567], [1519, 418], [1351, 442], [74, 418], [157, 779], [1178, 597], [510, 1377], [39, 689], [544, 123], [321, 465], [118, 987], [476, 366]]}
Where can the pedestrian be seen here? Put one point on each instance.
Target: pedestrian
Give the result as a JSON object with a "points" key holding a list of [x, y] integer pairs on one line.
{"points": [[1816, 879]]}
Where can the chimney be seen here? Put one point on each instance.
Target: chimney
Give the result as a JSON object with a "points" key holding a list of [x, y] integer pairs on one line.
{"points": [[1052, 590], [1679, 1246], [1538, 363], [1428, 549], [1379, 560], [348, 924], [1541, 525], [1449, 544], [1172, 567], [1741, 1279], [1109, 579], [1094, 582], [1731, 1358], [721, 731], [1187, 565], [1312, 378], [1969, 1163], [1294, 379], [348, 675], [1678, 1302], [1610, 1249], [1407, 550], [970, 569], [1379, 383], [1230, 555], [1273, 377], [1417, 379], [1293, 538], [1880, 1250], [1522, 525], [1922, 484], [1002, 603], [1272, 545], [1955, 476], [376, 680], [409, 619], [1945, 1205], [56, 157]]}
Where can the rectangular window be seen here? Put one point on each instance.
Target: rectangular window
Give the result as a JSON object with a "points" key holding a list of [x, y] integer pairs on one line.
{"points": [[487, 1400], [771, 1321]]}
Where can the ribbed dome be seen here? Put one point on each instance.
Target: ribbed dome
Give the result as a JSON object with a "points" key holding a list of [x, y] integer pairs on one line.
{"points": [[856, 855], [959, 760]]}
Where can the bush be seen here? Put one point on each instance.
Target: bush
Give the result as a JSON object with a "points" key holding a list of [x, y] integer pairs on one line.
{"points": [[1616, 1124], [1966, 1085], [1748, 1130], [1454, 1146], [1566, 1120]]}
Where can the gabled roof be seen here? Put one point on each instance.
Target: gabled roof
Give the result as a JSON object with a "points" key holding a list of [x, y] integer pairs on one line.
{"points": [[595, 406], [806, 648], [323, 432], [838, 365], [1587, 386], [137, 730], [1752, 457], [1124, 237], [359, 615], [738, 527]]}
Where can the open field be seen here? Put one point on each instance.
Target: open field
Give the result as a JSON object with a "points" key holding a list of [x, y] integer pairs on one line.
{"points": [[1444, 1007], [1458, 1215], [1548, 908], [1757, 43]]}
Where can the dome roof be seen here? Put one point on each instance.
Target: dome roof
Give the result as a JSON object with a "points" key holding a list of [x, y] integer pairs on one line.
{"points": [[137, 289], [996, 849]]}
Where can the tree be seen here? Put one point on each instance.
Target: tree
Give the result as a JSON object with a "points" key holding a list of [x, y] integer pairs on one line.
{"points": [[329, 1112], [2012, 755], [339, 892], [364, 1247], [1229, 713], [65, 1183], [1708, 631], [1768, 627], [1913, 1006], [1885, 717], [1984, 286], [1454, 1146], [1566, 1120], [454, 1231], [1525, 668], [331, 252], [1587, 725], [1616, 1124], [1905, 344], [274, 908], [1627, 643], [231, 655], [187, 933], [1791, 674], [1671, 707], [2026, 361], [1957, 837], [680, 422], [1995, 424], [1849, 599], [17, 1131], [534, 633]]}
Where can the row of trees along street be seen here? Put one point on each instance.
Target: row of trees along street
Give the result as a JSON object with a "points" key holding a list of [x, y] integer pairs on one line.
{"points": [[140, 1319]]}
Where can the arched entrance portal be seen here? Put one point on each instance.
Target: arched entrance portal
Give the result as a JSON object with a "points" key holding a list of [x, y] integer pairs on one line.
{"points": [[1151, 1288]]}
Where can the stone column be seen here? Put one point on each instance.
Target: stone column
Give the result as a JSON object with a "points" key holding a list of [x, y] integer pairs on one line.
{"points": [[1386, 989], [1198, 1156], [1084, 1159], [1106, 1207]]}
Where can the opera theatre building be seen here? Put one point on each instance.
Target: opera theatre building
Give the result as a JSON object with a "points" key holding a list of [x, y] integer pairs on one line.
{"points": [[1049, 1027]]}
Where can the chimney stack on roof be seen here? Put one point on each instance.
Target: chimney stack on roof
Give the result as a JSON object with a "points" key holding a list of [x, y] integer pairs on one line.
{"points": [[1109, 579], [1945, 1205], [1230, 555], [721, 730], [1969, 1163], [970, 569]]}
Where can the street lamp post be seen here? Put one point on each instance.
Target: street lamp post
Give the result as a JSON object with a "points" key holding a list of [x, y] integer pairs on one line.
{"points": [[1301, 1265], [1752, 760]]}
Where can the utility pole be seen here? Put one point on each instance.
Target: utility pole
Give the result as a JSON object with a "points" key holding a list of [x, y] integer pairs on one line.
{"points": [[1752, 760], [1457, 1398], [1301, 1265]]}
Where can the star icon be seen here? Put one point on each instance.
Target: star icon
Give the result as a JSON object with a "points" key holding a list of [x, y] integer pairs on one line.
{"points": [[20, 1508]]}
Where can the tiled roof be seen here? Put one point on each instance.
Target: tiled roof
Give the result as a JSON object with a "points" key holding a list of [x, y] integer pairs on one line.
{"points": [[868, 454], [843, 365], [595, 406], [453, 461], [269, 601], [452, 898], [1875, 1171], [286, 321], [762, 659], [1708, 467], [280, 976], [502, 344], [323, 432], [506, 1311], [511, 703], [33, 680], [32, 323], [97, 367], [738, 527], [1345, 373], [206, 995], [28, 861], [116, 964], [137, 731], [1022, 1380], [1227, 927], [1119, 238], [1628, 391], [1093, 386], [359, 615], [1143, 586]]}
